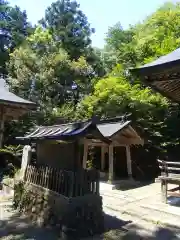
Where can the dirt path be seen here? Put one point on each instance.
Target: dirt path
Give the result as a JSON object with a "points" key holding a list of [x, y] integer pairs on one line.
{"points": [[16, 227], [120, 224]]}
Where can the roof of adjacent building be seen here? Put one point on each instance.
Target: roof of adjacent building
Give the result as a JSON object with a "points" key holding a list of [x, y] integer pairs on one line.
{"points": [[162, 75], [10, 98], [169, 58], [91, 129]]}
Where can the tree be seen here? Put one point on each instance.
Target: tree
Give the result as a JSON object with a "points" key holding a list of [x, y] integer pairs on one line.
{"points": [[71, 31], [69, 27], [14, 27], [157, 35], [115, 96], [107, 57], [44, 73], [121, 43]]}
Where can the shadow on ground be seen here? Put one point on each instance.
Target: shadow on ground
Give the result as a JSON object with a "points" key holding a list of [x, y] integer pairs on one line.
{"points": [[125, 185], [174, 201], [17, 227], [116, 229]]}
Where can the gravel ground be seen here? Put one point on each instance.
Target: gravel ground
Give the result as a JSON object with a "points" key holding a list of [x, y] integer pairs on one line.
{"points": [[16, 227], [118, 227]]}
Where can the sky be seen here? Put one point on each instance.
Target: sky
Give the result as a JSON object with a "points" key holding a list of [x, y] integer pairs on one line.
{"points": [[101, 14]]}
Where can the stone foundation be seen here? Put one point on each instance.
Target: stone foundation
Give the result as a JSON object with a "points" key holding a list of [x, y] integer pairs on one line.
{"points": [[75, 217]]}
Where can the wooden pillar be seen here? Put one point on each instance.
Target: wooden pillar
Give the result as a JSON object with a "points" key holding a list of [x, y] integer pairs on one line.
{"points": [[102, 158], [111, 163], [164, 190], [2, 119], [85, 155], [129, 161]]}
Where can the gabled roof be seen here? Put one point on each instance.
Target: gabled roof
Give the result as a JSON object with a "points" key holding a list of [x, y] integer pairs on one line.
{"points": [[105, 131], [109, 129], [65, 131]]}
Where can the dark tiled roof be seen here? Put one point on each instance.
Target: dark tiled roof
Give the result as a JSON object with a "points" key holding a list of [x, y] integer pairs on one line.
{"points": [[58, 131], [7, 97], [104, 130]]}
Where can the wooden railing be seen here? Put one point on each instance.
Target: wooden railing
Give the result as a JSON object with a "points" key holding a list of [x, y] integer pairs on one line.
{"points": [[169, 167], [67, 183], [170, 173]]}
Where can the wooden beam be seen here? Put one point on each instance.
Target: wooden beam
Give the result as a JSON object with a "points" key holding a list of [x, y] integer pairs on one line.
{"points": [[111, 163], [129, 161], [92, 142], [97, 144], [85, 155]]}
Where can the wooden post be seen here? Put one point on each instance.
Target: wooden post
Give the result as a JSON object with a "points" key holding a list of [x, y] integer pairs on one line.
{"points": [[85, 154], [129, 162], [164, 190], [2, 126], [111, 163], [102, 158]]}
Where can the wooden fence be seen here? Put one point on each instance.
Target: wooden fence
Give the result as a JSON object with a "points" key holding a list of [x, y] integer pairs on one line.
{"points": [[67, 183]]}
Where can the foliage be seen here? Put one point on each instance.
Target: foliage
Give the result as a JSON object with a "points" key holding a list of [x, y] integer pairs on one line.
{"points": [[121, 43], [69, 27], [65, 113], [90, 164], [43, 73], [115, 96], [44, 65], [14, 27], [71, 31], [13, 150], [10, 161], [19, 190], [157, 35]]}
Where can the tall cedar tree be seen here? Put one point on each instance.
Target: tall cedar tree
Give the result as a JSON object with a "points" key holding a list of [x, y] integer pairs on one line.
{"points": [[14, 27]]}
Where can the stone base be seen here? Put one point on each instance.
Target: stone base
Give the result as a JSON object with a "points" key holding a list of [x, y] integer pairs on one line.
{"points": [[76, 217]]}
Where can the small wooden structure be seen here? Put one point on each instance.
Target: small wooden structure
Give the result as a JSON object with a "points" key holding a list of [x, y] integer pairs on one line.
{"points": [[58, 145], [163, 75], [11, 107], [120, 134], [170, 175]]}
